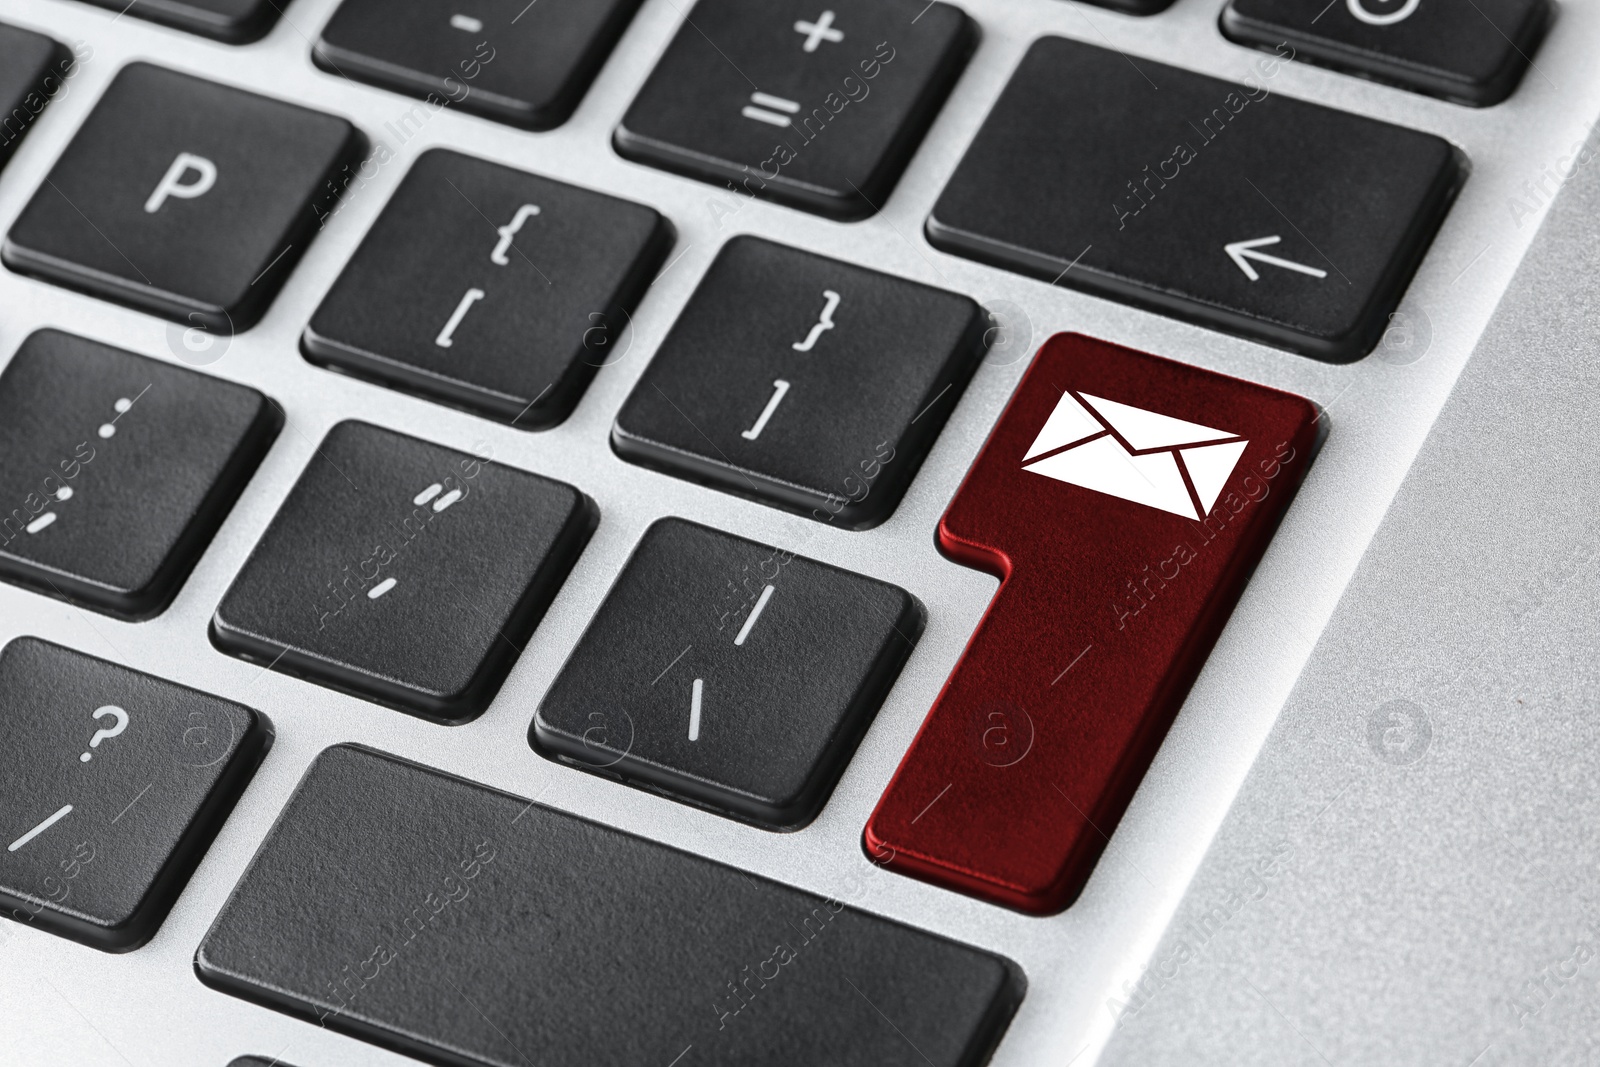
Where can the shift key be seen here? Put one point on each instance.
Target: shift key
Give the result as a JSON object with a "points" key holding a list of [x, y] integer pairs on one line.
{"points": [[1123, 500], [461, 925]]}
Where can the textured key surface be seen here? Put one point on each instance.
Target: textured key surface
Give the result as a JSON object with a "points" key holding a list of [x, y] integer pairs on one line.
{"points": [[184, 198], [115, 470], [523, 63], [729, 674], [1225, 204], [233, 21], [1123, 500], [32, 67], [818, 109], [803, 382], [385, 544], [1469, 51], [467, 926], [98, 848], [490, 289]]}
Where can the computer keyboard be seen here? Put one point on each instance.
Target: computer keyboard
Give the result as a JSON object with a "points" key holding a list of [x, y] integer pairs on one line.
{"points": [[1474, 58], [148, 790], [1226, 203], [605, 387], [490, 289], [122, 466], [1059, 720], [385, 543], [759, 705], [825, 131], [183, 246], [803, 382]]}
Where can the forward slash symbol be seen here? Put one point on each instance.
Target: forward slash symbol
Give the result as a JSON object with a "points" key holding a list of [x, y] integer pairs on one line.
{"points": [[1243, 251]]}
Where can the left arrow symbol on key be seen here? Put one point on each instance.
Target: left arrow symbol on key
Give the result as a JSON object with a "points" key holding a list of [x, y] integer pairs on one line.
{"points": [[1242, 252]]}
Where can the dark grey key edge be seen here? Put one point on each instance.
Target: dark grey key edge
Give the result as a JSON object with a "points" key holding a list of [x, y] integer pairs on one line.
{"points": [[455, 709], [1374, 318], [548, 411], [59, 64], [345, 62], [196, 838], [686, 789], [884, 495], [1134, 7], [985, 1039], [155, 598], [866, 201], [176, 306], [1414, 77], [181, 16]]}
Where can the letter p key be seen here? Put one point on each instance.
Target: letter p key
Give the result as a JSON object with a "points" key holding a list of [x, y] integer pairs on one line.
{"points": [[173, 184]]}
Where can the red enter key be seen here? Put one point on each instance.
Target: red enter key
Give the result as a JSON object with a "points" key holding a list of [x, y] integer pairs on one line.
{"points": [[1123, 501]]}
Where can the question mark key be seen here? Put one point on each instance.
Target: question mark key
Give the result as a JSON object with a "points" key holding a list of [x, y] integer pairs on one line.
{"points": [[109, 791]]}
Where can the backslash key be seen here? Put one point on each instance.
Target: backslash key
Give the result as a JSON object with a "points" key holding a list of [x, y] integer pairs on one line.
{"points": [[1123, 500]]}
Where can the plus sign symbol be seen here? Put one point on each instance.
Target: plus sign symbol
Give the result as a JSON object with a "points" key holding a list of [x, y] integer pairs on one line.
{"points": [[818, 31]]}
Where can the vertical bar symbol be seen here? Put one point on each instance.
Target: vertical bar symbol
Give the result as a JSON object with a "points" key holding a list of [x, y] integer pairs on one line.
{"points": [[694, 708]]}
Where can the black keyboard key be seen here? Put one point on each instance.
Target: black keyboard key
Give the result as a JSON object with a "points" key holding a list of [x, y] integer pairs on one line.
{"points": [[112, 785], [231, 21], [522, 63], [404, 572], [803, 382], [462, 925], [814, 104], [1224, 204], [489, 289], [728, 674], [32, 68], [115, 470], [1470, 51], [183, 198]]}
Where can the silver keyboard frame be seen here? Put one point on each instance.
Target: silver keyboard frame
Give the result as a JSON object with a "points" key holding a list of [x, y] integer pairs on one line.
{"points": [[61, 1003]]}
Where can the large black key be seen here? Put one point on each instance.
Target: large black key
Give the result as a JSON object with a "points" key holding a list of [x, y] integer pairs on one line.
{"points": [[524, 63], [1470, 51], [233, 21], [184, 198], [112, 785], [489, 289], [729, 674], [814, 103], [462, 925], [803, 382], [32, 68], [1220, 203], [115, 470], [404, 572]]}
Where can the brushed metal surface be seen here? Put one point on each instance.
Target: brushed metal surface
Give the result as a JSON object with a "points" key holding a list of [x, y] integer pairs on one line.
{"points": [[1428, 791], [62, 1004]]}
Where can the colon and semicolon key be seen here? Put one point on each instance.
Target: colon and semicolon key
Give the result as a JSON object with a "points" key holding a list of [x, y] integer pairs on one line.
{"points": [[89, 435]]}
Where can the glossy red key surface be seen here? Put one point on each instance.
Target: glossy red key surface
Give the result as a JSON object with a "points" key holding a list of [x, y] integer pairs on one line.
{"points": [[1123, 501]]}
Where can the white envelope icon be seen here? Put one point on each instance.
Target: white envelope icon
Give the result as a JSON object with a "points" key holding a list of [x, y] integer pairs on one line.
{"points": [[1134, 454]]}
